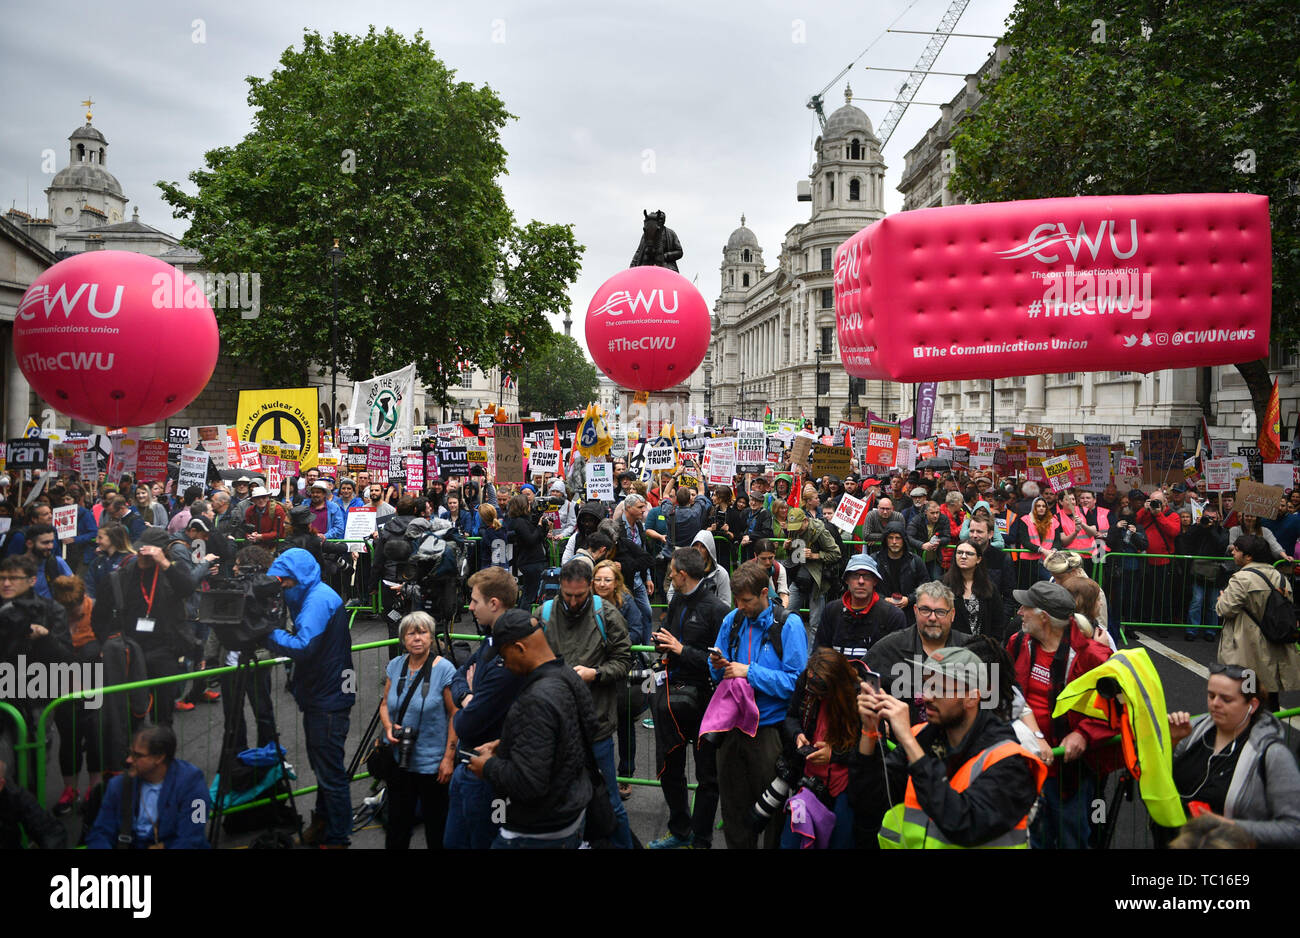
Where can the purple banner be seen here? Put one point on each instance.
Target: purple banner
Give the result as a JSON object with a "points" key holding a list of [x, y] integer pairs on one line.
{"points": [[925, 408], [905, 426]]}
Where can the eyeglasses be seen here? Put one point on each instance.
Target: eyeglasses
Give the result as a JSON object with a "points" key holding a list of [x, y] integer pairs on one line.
{"points": [[966, 553], [14, 579], [857, 575], [132, 754], [926, 612]]}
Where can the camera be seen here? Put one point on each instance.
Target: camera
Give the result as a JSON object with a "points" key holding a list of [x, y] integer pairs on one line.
{"points": [[243, 609], [405, 748], [542, 505]]}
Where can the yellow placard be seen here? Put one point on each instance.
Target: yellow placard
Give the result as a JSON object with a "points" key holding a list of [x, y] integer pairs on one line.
{"points": [[288, 415]]}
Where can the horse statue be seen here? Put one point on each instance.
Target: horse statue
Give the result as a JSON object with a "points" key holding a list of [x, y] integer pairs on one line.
{"points": [[659, 246]]}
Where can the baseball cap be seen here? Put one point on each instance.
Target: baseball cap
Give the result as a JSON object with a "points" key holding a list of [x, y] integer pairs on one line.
{"points": [[154, 536], [1053, 598], [796, 518], [513, 625], [199, 523], [861, 562], [1179, 487], [958, 663]]}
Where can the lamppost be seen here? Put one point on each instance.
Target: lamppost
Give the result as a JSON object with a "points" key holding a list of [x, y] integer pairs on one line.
{"points": [[817, 388], [708, 393], [335, 255], [743, 414]]}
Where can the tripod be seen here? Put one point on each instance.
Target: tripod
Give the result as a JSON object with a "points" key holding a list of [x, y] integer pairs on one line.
{"points": [[368, 809], [226, 763]]}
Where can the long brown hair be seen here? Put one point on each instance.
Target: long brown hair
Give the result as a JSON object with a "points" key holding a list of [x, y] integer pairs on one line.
{"points": [[1045, 524], [832, 683]]}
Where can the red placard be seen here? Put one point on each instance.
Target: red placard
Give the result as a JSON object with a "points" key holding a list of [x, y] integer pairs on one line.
{"points": [[151, 461]]}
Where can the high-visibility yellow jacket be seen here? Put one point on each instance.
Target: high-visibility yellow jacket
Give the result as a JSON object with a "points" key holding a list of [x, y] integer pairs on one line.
{"points": [[1139, 715]]}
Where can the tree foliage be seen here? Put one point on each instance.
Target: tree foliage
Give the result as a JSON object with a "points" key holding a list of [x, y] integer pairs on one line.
{"points": [[1149, 96], [370, 140], [556, 377]]}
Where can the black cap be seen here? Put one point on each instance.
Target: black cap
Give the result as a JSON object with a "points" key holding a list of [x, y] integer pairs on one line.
{"points": [[301, 515], [514, 625], [199, 524], [154, 536]]}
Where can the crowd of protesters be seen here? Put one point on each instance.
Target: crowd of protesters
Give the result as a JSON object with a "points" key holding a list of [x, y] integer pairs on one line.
{"points": [[786, 649]]}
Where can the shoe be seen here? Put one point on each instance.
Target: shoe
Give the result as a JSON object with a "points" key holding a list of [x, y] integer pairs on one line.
{"points": [[648, 723], [313, 833], [211, 696], [624, 791], [67, 801], [669, 841], [184, 705], [1210, 635], [1191, 635]]}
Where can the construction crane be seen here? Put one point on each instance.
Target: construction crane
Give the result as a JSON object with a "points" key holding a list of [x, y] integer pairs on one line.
{"points": [[912, 83]]}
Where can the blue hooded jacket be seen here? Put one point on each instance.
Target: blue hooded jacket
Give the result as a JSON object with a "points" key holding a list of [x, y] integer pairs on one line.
{"points": [[321, 644], [772, 678]]}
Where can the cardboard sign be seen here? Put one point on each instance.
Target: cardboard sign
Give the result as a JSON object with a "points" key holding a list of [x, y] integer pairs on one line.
{"points": [[194, 468], [660, 458], [1057, 470], [508, 444], [1218, 475], [361, 523], [379, 462], [544, 461], [722, 462], [849, 513], [600, 481], [835, 460], [1043, 435], [751, 451], [801, 450], [65, 520], [151, 462], [1254, 498], [1162, 454]]}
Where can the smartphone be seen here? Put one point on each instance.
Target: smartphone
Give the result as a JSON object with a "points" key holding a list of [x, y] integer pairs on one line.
{"points": [[718, 652], [806, 751], [866, 674], [469, 754]]}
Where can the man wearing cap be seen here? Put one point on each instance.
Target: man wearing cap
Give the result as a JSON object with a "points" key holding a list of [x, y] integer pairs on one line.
{"points": [[1046, 655], [266, 520], [241, 498], [328, 517], [917, 498], [861, 616], [960, 779], [897, 657], [483, 689], [145, 600], [809, 548], [539, 765]]}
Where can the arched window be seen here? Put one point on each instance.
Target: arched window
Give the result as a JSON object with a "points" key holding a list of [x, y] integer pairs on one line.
{"points": [[744, 280], [81, 153], [830, 190], [746, 256], [854, 190], [855, 150], [101, 156], [731, 278]]}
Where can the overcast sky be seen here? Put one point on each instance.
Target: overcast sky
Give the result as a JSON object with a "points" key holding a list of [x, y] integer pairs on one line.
{"points": [[716, 91]]}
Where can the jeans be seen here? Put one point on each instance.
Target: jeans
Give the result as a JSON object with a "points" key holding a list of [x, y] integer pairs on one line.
{"points": [[1205, 593], [326, 734], [469, 812], [815, 603], [641, 635], [1064, 825], [604, 753], [841, 836], [535, 843]]}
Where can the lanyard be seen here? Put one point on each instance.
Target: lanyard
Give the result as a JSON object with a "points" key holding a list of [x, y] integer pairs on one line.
{"points": [[153, 589]]}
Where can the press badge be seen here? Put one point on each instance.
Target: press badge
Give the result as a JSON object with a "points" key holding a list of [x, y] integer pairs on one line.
{"points": [[660, 677], [144, 625]]}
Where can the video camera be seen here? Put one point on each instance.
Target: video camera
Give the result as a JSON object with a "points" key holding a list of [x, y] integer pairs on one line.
{"points": [[17, 616], [542, 505], [243, 609]]}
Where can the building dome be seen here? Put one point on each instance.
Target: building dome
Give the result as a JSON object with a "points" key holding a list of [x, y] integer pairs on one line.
{"points": [[847, 120], [88, 133], [86, 176], [742, 237]]}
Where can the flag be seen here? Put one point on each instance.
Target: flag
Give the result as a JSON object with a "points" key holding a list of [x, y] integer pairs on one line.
{"points": [[848, 437], [557, 445], [385, 406], [593, 436], [767, 414], [1269, 442]]}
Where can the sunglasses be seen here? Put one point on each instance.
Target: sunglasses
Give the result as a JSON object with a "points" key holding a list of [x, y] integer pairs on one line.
{"points": [[1234, 671]]}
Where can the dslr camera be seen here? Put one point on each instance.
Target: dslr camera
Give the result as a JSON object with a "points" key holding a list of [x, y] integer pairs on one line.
{"points": [[405, 749]]}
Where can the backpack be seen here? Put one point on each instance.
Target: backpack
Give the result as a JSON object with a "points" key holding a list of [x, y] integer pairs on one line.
{"points": [[1278, 623], [771, 637], [544, 614]]}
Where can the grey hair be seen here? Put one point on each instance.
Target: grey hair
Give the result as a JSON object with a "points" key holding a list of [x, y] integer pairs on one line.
{"points": [[633, 500], [936, 590], [1030, 490], [1058, 624], [419, 621]]}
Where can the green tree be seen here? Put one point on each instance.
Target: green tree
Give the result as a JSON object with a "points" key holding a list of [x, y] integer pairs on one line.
{"points": [[1149, 96], [556, 376], [371, 141]]}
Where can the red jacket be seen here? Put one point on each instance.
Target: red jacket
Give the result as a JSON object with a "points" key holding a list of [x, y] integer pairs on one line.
{"points": [[1160, 531], [954, 531], [1086, 655]]}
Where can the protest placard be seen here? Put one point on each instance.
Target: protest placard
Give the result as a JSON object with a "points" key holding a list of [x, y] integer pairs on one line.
{"points": [[1162, 458], [1254, 498], [800, 450], [413, 463], [906, 456], [542, 461], [194, 468], [722, 461], [65, 520], [600, 481], [849, 513], [151, 462], [833, 460], [1043, 435], [751, 451], [361, 523], [379, 462], [508, 446], [1218, 475], [1057, 471], [882, 445], [1279, 473]]}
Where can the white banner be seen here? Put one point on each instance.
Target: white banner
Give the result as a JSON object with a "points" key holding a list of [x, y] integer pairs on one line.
{"points": [[194, 469], [385, 405], [544, 460]]}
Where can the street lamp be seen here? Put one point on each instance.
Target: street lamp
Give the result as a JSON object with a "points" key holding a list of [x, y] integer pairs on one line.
{"points": [[817, 388], [335, 255], [743, 414], [708, 393]]}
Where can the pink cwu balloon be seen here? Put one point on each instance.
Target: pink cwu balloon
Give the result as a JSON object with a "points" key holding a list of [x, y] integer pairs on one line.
{"points": [[647, 328], [116, 338]]}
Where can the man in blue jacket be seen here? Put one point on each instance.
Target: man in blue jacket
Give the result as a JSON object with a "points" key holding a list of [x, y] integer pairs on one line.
{"points": [[328, 517], [770, 659], [323, 684], [169, 797], [483, 689]]}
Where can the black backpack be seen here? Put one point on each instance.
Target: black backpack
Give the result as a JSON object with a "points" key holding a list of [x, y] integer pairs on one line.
{"points": [[771, 637], [1278, 622]]}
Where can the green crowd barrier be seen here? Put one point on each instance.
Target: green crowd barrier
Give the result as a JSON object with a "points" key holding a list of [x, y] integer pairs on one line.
{"points": [[22, 745]]}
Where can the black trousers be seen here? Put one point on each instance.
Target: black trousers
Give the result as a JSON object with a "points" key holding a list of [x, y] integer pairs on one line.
{"points": [[672, 762], [404, 791]]}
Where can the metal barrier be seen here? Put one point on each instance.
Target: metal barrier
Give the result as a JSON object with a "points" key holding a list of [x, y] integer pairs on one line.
{"points": [[21, 744]]}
